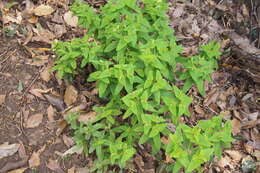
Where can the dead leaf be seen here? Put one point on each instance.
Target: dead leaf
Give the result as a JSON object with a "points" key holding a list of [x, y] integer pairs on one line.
{"points": [[253, 116], [54, 166], [35, 161], [70, 95], [257, 155], [59, 30], [21, 170], [8, 150], [165, 140], [199, 110], [250, 124], [178, 12], [211, 97], [43, 35], [39, 92], [55, 101], [13, 19], [247, 96], [45, 75], [2, 98], [21, 151], [248, 164], [232, 100], [245, 11], [34, 120], [84, 118], [244, 44], [43, 10], [68, 141], [50, 114], [83, 170], [255, 144], [33, 19], [234, 154], [62, 125], [70, 19], [224, 162], [76, 109], [168, 159], [72, 150], [71, 170], [39, 60], [236, 126]]}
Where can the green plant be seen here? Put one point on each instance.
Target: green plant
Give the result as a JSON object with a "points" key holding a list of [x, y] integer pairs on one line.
{"points": [[135, 54]]}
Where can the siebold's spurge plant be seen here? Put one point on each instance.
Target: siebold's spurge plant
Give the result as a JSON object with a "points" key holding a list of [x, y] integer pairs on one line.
{"points": [[135, 56]]}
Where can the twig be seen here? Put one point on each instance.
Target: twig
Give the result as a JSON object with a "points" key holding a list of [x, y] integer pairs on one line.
{"points": [[33, 81], [7, 56]]}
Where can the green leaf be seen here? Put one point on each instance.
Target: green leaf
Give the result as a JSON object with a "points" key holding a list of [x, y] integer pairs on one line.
{"points": [[157, 143], [122, 43], [128, 153], [143, 139], [156, 129]]}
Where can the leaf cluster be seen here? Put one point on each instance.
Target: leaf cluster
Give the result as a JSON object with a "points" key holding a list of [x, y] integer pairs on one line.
{"points": [[135, 56]]}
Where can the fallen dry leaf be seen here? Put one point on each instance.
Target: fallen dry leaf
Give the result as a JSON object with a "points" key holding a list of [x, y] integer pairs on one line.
{"points": [[55, 101], [257, 155], [43, 35], [50, 113], [253, 116], [211, 97], [236, 126], [39, 92], [199, 110], [61, 126], [248, 164], [70, 95], [234, 154], [59, 30], [255, 144], [70, 19], [35, 161], [54, 166], [8, 149], [45, 75], [20, 170], [250, 124], [33, 19], [39, 60], [13, 19], [43, 10], [21, 151], [68, 141], [247, 96], [224, 162], [2, 98], [72, 150], [84, 118], [71, 170], [82, 170], [165, 140], [168, 159], [76, 109], [34, 120]]}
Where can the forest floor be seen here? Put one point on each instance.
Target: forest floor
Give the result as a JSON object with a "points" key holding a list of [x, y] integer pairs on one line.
{"points": [[34, 137]]}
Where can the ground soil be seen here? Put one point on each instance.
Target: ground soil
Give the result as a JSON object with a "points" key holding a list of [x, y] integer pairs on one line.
{"points": [[14, 69]]}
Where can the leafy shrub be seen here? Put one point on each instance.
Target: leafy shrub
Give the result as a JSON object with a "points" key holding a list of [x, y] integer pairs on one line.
{"points": [[135, 55]]}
